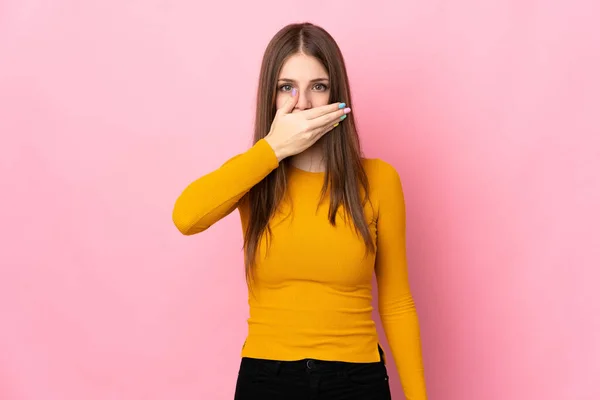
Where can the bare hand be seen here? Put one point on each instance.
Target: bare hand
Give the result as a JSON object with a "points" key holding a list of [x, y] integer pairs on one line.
{"points": [[292, 133]]}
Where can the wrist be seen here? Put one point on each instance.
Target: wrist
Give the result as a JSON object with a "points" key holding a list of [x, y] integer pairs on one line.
{"points": [[276, 149]]}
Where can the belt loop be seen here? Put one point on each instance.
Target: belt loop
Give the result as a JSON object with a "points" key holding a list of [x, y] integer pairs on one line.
{"points": [[277, 367]]}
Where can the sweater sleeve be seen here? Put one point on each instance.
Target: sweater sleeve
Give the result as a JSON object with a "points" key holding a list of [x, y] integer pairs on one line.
{"points": [[216, 194], [396, 305]]}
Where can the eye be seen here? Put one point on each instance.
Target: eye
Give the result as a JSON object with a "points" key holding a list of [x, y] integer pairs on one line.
{"points": [[321, 87], [285, 88]]}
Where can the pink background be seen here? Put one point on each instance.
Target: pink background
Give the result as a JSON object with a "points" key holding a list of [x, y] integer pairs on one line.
{"points": [[489, 110]]}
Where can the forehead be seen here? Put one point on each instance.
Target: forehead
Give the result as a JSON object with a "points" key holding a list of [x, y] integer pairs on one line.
{"points": [[302, 67]]}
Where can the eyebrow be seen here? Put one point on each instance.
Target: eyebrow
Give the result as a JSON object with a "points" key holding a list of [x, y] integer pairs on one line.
{"points": [[311, 81]]}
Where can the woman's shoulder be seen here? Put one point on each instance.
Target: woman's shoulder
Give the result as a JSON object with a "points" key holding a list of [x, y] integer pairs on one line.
{"points": [[380, 171], [384, 180]]}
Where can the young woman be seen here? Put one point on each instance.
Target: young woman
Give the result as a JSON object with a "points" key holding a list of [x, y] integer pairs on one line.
{"points": [[318, 221]]}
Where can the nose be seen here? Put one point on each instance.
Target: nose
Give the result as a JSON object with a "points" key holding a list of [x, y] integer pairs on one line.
{"points": [[304, 101]]}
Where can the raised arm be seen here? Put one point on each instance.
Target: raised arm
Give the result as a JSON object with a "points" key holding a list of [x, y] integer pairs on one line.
{"points": [[396, 305], [216, 194]]}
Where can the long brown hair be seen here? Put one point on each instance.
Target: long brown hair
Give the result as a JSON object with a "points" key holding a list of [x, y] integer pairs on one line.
{"points": [[345, 176]]}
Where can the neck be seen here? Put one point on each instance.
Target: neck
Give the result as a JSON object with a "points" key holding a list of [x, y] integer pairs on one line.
{"points": [[310, 159]]}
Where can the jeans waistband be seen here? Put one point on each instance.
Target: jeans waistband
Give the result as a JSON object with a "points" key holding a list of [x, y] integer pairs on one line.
{"points": [[307, 364]]}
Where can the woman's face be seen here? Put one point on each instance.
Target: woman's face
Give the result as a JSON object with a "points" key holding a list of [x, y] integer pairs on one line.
{"points": [[308, 76]]}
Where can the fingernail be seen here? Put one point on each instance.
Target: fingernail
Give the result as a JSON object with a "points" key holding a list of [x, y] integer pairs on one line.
{"points": [[343, 117], [342, 105], [346, 110], [294, 91], [336, 124]]}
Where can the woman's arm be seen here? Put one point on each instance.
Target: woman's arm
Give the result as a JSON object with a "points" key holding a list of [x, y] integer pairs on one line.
{"points": [[216, 194], [396, 305]]}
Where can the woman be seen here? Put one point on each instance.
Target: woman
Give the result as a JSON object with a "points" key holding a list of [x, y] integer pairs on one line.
{"points": [[318, 220]]}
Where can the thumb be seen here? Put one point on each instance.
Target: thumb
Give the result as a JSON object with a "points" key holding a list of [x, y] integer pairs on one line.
{"points": [[290, 103]]}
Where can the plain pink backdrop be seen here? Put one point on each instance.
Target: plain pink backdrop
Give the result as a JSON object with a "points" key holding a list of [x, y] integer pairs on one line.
{"points": [[488, 109]]}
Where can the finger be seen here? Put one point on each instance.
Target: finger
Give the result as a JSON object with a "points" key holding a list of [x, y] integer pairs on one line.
{"points": [[324, 130], [329, 119], [290, 103], [323, 110]]}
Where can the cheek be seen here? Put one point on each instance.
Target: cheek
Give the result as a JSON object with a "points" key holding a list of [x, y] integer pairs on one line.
{"points": [[279, 101], [320, 99]]}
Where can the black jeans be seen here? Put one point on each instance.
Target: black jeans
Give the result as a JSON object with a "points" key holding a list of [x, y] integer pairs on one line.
{"points": [[310, 379]]}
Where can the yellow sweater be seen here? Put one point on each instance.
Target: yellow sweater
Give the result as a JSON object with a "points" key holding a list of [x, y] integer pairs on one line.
{"points": [[311, 294]]}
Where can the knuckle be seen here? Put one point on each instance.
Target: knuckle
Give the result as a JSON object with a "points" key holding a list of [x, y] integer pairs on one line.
{"points": [[307, 137], [305, 127]]}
